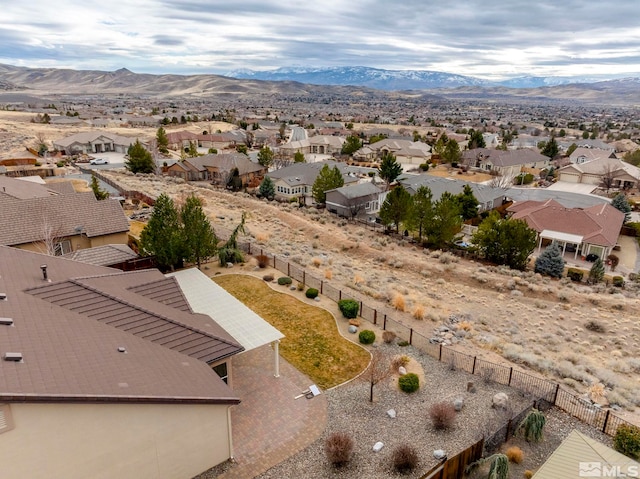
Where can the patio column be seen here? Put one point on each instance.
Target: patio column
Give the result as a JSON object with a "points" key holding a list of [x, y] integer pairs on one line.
{"points": [[230, 434], [276, 358], [539, 242]]}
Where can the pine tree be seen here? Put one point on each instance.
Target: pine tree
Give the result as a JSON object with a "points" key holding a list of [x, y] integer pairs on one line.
{"points": [[468, 203], [395, 208], [265, 156], [162, 141], [199, 241], [421, 211], [351, 145], [620, 203], [98, 192], [267, 188], [550, 148], [451, 152], [389, 168], [298, 157], [229, 252], [162, 237], [596, 273], [139, 160], [550, 261], [328, 179]]}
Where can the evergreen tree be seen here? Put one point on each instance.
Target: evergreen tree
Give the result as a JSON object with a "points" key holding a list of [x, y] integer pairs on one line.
{"points": [[162, 141], [451, 152], [441, 145], [550, 261], [139, 160], [328, 179], [99, 193], [229, 252], [620, 203], [505, 241], [265, 156], [420, 211], [596, 273], [162, 237], [351, 145], [199, 239], [550, 148], [298, 157], [234, 182], [395, 208], [389, 168], [468, 203], [476, 140], [447, 221], [267, 188], [192, 151]]}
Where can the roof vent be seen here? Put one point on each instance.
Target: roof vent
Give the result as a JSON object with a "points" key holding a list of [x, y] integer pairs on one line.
{"points": [[3, 296], [15, 357], [6, 321], [43, 267]]}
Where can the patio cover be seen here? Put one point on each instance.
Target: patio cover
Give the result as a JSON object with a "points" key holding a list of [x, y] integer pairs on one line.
{"points": [[562, 237]]}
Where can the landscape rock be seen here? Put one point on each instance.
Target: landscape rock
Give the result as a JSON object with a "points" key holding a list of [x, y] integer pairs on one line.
{"points": [[402, 370], [471, 387], [391, 413], [317, 299], [439, 454], [378, 446], [353, 329], [458, 404], [500, 401]]}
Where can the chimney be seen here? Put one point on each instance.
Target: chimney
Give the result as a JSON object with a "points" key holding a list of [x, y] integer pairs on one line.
{"points": [[43, 267]]}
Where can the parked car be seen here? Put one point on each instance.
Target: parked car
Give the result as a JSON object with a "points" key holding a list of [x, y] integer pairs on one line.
{"points": [[99, 161]]}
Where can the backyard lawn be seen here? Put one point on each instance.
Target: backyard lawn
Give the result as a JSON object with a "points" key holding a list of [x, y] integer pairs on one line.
{"points": [[312, 342]]}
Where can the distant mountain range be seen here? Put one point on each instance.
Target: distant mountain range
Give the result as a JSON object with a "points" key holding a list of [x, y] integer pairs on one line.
{"points": [[400, 79], [20, 83]]}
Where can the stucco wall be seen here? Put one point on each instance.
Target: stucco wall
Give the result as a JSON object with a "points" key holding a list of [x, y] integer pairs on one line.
{"points": [[106, 441]]}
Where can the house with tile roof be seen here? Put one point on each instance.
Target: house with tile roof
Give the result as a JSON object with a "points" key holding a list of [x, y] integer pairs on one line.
{"points": [[604, 169], [217, 168], [407, 152], [360, 200], [592, 230], [92, 142], [108, 374], [582, 155], [504, 163], [56, 219]]}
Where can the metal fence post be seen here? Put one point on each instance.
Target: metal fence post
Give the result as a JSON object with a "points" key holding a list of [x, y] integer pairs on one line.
{"points": [[606, 421], [304, 277], [411, 336], [321, 284], [375, 316], [360, 308], [473, 369], [510, 375], [288, 269], [555, 395], [384, 324], [440, 354]]}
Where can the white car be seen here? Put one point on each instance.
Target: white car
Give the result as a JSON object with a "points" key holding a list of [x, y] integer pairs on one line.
{"points": [[99, 161]]}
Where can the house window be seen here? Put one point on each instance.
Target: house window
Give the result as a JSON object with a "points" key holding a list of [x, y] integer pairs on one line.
{"points": [[63, 247], [221, 370], [6, 421]]}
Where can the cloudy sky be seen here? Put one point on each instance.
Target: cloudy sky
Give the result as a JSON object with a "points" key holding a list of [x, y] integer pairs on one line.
{"points": [[484, 38]]}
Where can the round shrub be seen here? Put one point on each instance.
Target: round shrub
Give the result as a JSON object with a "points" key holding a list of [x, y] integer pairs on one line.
{"points": [[311, 293], [284, 280], [268, 278], [339, 448], [404, 458], [442, 415], [349, 308], [627, 441], [618, 281], [409, 383], [366, 336]]}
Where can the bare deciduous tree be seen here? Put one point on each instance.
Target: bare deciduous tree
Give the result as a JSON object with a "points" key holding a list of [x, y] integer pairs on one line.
{"points": [[501, 181], [607, 178], [51, 238], [379, 369]]}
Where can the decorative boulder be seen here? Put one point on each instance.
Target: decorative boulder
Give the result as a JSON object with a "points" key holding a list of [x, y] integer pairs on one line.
{"points": [[439, 454], [402, 370], [500, 401], [458, 404], [378, 446], [317, 299], [471, 388], [353, 329], [391, 413]]}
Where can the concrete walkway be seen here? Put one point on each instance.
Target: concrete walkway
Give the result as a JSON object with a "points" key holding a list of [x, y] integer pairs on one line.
{"points": [[269, 425]]}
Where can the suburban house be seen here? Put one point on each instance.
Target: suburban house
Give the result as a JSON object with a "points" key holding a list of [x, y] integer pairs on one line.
{"points": [[360, 200], [179, 140], [118, 256], [296, 180], [600, 172], [407, 152], [92, 142], [581, 456], [586, 143], [504, 163], [325, 144], [217, 168], [53, 218], [488, 197], [582, 155], [592, 230]]}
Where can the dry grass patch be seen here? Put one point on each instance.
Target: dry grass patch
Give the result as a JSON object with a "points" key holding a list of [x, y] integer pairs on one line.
{"points": [[136, 227], [312, 342]]}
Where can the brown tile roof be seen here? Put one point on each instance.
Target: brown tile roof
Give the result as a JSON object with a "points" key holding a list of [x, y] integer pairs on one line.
{"points": [[598, 224], [21, 189], [226, 162], [106, 255], [23, 220], [69, 331], [504, 158]]}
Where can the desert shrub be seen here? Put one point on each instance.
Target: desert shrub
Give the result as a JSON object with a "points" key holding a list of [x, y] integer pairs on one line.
{"points": [[499, 468], [399, 302], [316, 262], [514, 454], [595, 326], [349, 308], [311, 293], [532, 426], [627, 441], [328, 274], [388, 336], [300, 286], [409, 383], [618, 281], [575, 274], [284, 280], [442, 415], [366, 336], [401, 360], [404, 458], [268, 278], [614, 261], [339, 447], [418, 312], [403, 343], [528, 474], [263, 260]]}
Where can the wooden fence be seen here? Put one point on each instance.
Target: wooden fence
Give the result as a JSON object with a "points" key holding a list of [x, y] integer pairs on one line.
{"points": [[454, 467]]}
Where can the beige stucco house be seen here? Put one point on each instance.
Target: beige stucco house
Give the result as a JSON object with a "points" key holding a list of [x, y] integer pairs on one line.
{"points": [[91, 142], [600, 171]]}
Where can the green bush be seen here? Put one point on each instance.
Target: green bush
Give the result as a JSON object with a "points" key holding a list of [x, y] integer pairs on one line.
{"points": [[424, 166], [311, 293], [523, 179], [618, 281], [403, 343], [627, 441], [409, 383], [366, 336], [60, 164], [575, 274], [349, 308], [284, 280]]}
